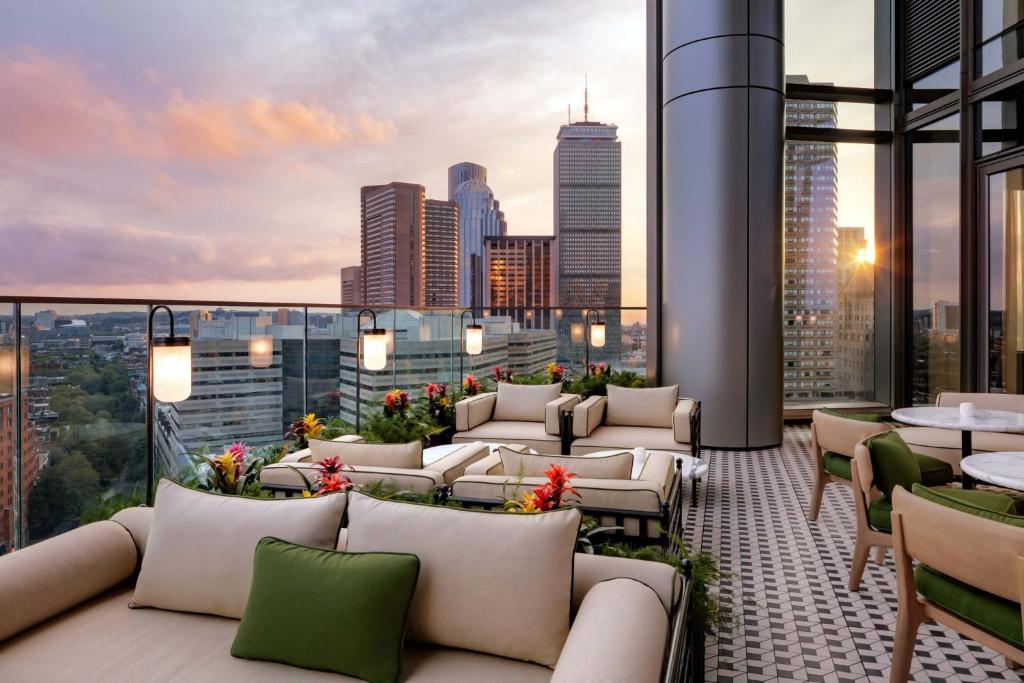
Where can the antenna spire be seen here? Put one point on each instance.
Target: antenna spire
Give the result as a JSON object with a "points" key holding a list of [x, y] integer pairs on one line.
{"points": [[569, 121], [586, 100]]}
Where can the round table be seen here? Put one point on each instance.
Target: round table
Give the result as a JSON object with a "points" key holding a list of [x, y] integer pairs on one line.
{"points": [[950, 418], [1002, 468]]}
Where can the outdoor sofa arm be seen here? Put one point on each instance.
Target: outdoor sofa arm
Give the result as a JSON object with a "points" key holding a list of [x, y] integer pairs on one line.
{"points": [[588, 415], [619, 634], [474, 411], [685, 410], [51, 577], [453, 465], [553, 412]]}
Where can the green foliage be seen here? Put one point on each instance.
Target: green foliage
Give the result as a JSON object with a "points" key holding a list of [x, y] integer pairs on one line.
{"points": [[596, 384], [706, 610], [335, 427], [416, 425], [535, 378], [388, 491], [106, 508]]}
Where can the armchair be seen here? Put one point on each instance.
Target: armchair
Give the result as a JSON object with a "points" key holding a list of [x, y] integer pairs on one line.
{"points": [[530, 415]]}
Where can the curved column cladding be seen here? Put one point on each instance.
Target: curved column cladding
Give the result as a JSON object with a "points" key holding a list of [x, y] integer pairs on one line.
{"points": [[722, 214]]}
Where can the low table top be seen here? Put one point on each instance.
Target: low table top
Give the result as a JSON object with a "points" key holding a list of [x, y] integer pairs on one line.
{"points": [[1003, 468], [950, 418], [692, 468]]}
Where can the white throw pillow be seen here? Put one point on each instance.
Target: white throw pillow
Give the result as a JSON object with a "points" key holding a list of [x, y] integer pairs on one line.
{"points": [[492, 582], [405, 456], [641, 407], [609, 466], [200, 549], [524, 402]]}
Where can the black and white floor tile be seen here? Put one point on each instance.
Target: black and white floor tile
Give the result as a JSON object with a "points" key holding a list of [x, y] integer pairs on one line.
{"points": [[794, 619]]}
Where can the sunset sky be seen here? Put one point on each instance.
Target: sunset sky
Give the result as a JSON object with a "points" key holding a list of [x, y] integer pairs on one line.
{"points": [[215, 150]]}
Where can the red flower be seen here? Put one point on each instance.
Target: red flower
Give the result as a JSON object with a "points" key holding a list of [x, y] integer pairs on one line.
{"points": [[552, 494], [396, 401], [471, 386], [332, 465], [333, 483]]}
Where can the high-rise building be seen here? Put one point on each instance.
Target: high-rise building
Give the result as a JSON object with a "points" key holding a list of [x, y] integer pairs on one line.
{"points": [[351, 286], [480, 216], [391, 240], [440, 261], [29, 453], [811, 246], [519, 275], [855, 317], [588, 224]]}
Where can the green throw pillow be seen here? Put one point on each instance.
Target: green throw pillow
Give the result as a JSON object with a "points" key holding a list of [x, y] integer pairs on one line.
{"points": [[893, 462], [328, 610], [995, 506], [848, 415]]}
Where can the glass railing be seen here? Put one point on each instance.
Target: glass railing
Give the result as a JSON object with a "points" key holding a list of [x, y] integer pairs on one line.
{"points": [[78, 443]]}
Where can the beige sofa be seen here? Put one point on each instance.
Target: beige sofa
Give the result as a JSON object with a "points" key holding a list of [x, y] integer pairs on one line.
{"points": [[644, 506], [516, 413], [64, 615], [395, 465], [945, 444]]}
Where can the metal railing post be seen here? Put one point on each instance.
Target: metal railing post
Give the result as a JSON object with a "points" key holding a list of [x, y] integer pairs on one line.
{"points": [[305, 360]]}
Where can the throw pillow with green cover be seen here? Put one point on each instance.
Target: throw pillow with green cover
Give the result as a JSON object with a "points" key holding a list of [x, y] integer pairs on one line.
{"points": [[850, 415], [328, 610]]}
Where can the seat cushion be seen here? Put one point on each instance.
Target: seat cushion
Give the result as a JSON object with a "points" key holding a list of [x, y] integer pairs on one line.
{"points": [[837, 464], [641, 407], [998, 510], [990, 613], [631, 495], [934, 472], [110, 642], [525, 402], [406, 456], [850, 415], [949, 439], [611, 466], [300, 475], [607, 438], [880, 510], [530, 434]]}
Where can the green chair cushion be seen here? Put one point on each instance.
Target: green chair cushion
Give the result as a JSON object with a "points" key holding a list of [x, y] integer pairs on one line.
{"points": [[988, 612], [837, 464], [893, 462], [991, 505], [934, 472], [880, 510], [849, 415], [327, 610]]}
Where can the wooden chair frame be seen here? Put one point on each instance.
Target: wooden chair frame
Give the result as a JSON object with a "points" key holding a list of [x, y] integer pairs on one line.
{"points": [[868, 537], [980, 552], [840, 435]]}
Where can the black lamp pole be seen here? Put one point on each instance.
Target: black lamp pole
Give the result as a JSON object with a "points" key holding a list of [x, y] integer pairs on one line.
{"points": [[462, 339], [586, 336], [149, 395], [359, 338]]}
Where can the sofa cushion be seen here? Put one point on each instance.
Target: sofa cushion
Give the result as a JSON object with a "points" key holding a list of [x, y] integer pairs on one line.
{"points": [[113, 643], [893, 463], [529, 434], [200, 548], [934, 472], [995, 506], [406, 456], [988, 612], [608, 438], [880, 510], [465, 555], [837, 464], [295, 477], [850, 415], [641, 407], [932, 437], [611, 466], [525, 402], [328, 610], [630, 495]]}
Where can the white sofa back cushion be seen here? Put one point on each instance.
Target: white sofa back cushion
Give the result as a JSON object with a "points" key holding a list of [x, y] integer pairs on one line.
{"points": [[492, 582], [200, 549], [641, 407], [608, 466], [403, 456], [524, 402]]}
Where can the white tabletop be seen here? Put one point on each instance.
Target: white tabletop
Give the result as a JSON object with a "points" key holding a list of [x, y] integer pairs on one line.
{"points": [[1005, 468], [950, 418], [435, 453], [692, 468]]}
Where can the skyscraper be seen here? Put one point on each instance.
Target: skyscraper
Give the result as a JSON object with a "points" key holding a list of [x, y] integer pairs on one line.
{"points": [[519, 273], [855, 318], [391, 229], [480, 216], [811, 238], [588, 223], [440, 261], [351, 286]]}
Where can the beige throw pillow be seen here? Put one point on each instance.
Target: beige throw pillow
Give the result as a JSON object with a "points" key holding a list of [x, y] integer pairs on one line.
{"points": [[200, 548], [492, 582], [641, 407], [610, 466], [524, 402], [405, 456]]}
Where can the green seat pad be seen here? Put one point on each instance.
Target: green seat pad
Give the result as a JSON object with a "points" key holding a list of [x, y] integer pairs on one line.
{"points": [[893, 462], [990, 613], [837, 464], [849, 415], [327, 610], [996, 506], [934, 472], [880, 510]]}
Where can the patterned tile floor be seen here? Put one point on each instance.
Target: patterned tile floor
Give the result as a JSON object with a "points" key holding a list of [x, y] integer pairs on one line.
{"points": [[794, 620]]}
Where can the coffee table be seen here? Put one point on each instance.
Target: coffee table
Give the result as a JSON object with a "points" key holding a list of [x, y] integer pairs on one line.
{"points": [[1002, 421], [435, 453], [1001, 468]]}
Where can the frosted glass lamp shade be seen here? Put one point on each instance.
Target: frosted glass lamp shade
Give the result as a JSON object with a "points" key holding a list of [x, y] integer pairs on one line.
{"points": [[261, 351], [474, 339], [576, 333], [597, 335], [375, 349], [172, 369]]}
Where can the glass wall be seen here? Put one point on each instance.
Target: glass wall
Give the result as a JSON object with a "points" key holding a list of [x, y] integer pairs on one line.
{"points": [[935, 208], [1000, 30], [1005, 202]]}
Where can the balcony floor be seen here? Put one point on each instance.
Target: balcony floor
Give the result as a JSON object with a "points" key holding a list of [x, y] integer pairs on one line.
{"points": [[793, 617]]}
